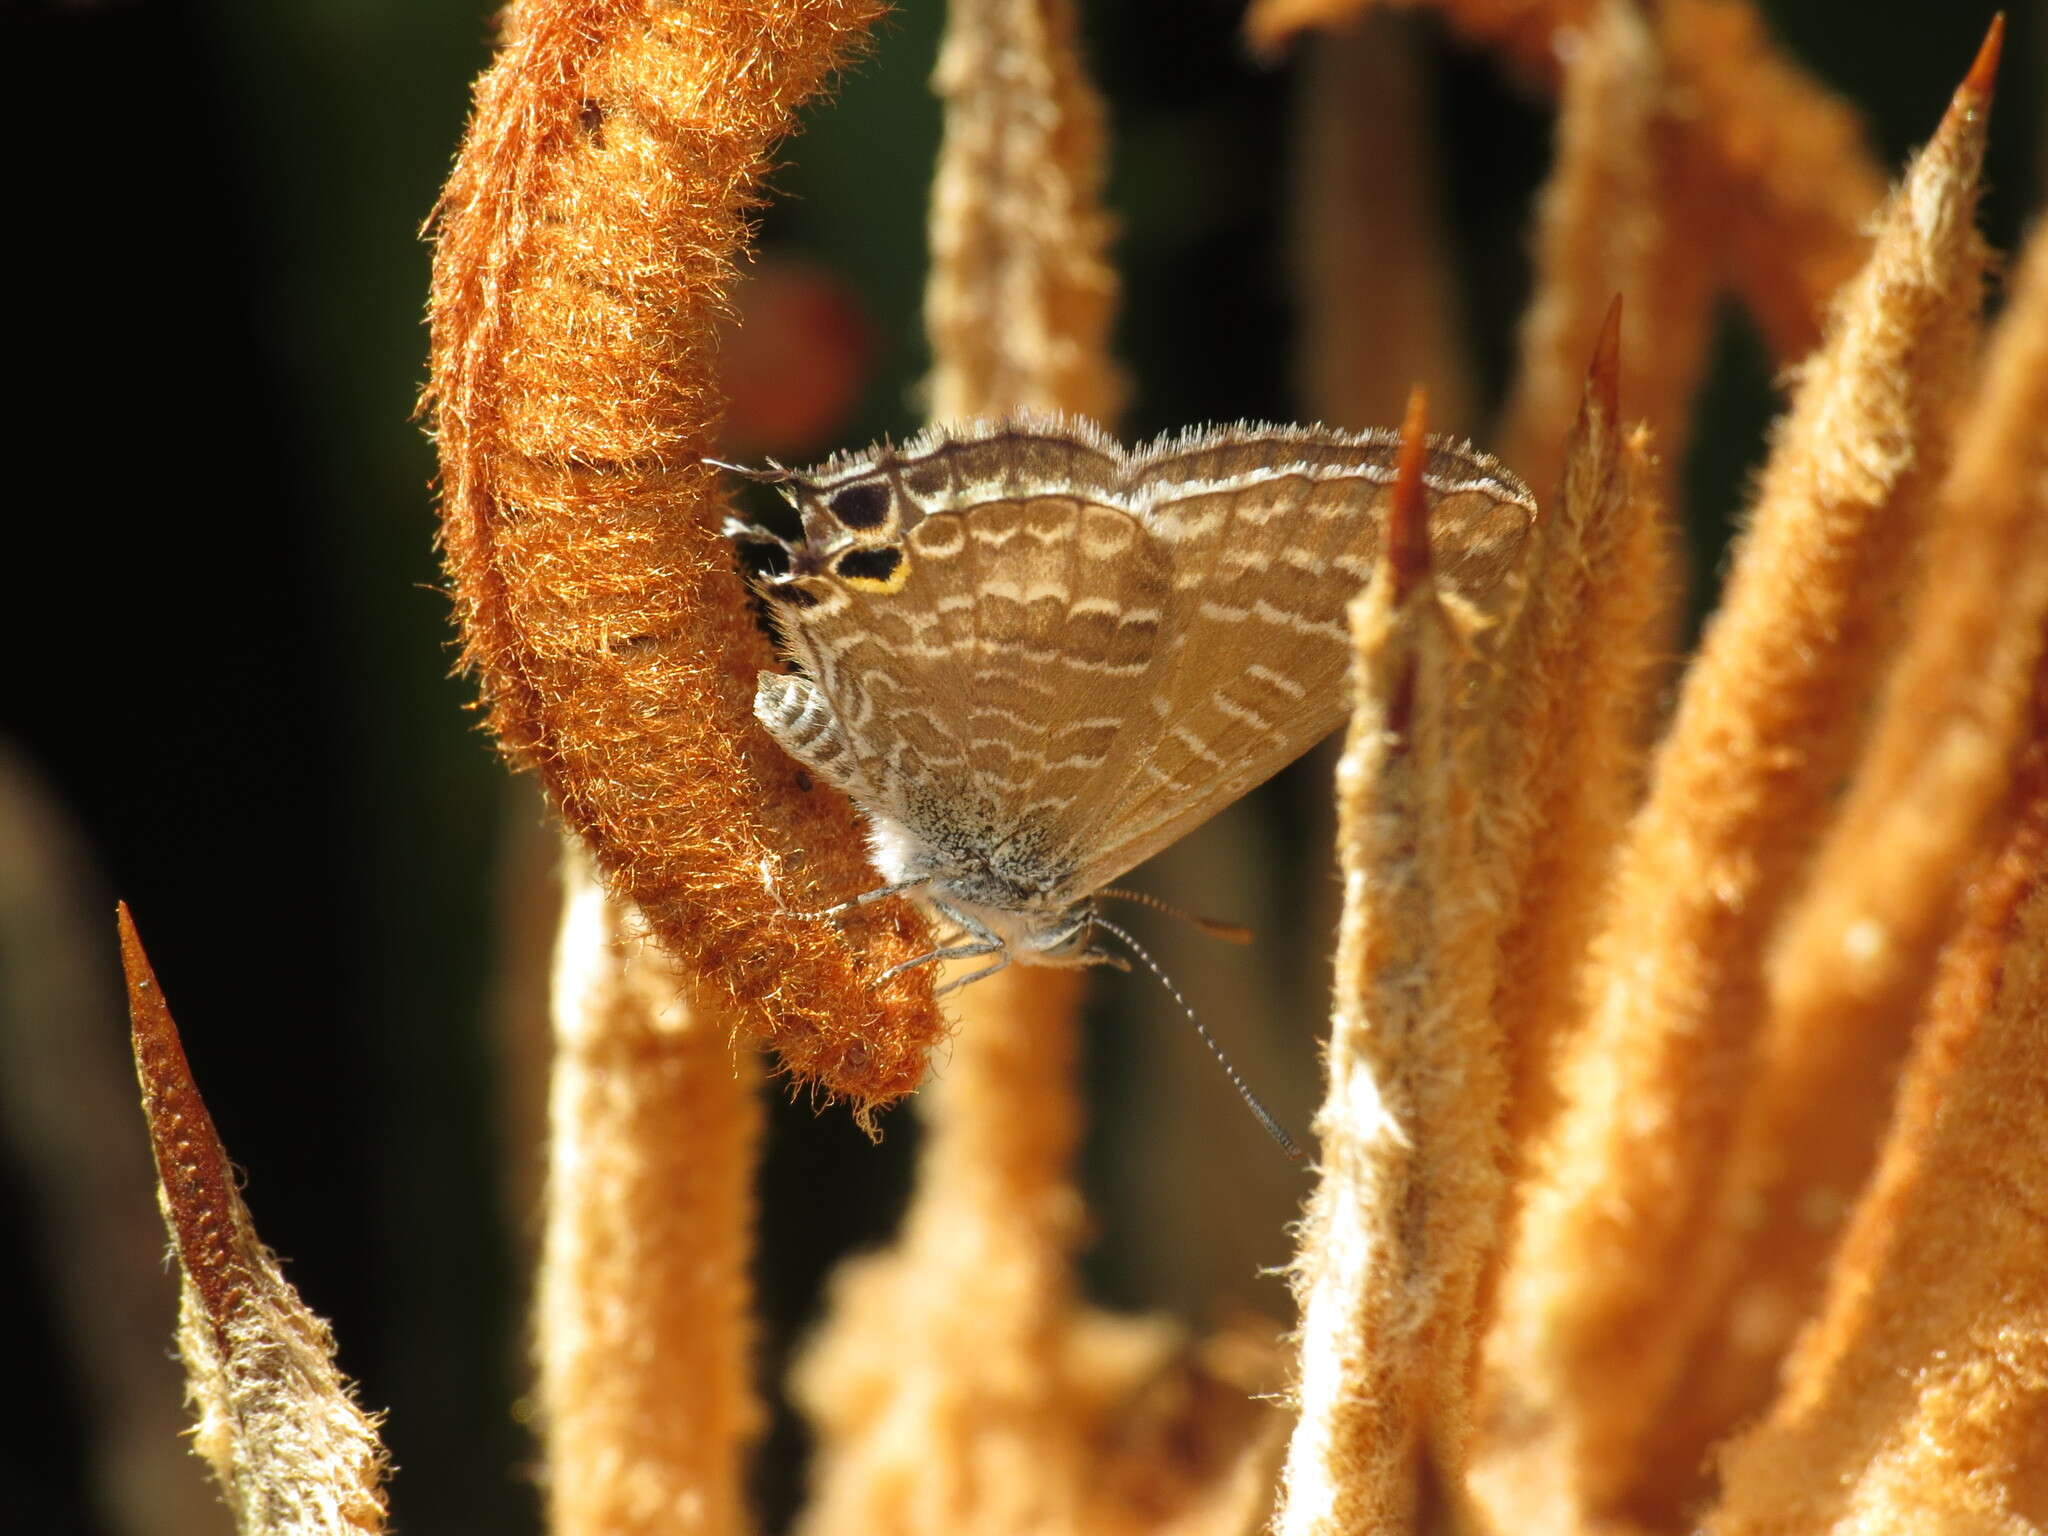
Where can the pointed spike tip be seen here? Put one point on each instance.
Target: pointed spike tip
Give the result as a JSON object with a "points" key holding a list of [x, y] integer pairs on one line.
{"points": [[145, 998], [1408, 512], [1983, 75], [192, 1167], [1603, 376], [1972, 100]]}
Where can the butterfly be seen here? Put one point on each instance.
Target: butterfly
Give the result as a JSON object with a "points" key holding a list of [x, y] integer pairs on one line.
{"points": [[1033, 658]]}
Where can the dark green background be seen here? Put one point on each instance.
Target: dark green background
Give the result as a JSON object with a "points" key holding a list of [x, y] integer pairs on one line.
{"points": [[226, 656]]}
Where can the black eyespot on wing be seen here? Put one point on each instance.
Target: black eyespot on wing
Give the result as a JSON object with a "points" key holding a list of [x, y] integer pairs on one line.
{"points": [[863, 505], [868, 564]]}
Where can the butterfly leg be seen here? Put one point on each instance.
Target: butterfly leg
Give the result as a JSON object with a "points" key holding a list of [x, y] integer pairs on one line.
{"points": [[900, 888], [980, 941], [954, 952], [968, 981]]}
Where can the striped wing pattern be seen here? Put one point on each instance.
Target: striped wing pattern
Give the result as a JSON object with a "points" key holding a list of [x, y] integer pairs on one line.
{"points": [[987, 692], [1048, 656]]}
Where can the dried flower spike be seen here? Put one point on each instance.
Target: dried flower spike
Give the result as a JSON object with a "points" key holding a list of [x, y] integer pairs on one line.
{"points": [[1850, 974], [1020, 297], [1609, 223], [585, 250], [1606, 1286], [960, 1386], [1918, 1400], [1403, 1213], [278, 1424], [1374, 280], [1565, 725]]}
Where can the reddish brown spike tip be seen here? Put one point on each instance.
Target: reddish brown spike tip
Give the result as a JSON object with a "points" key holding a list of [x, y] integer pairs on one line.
{"points": [[1408, 511], [1603, 377], [1975, 91], [191, 1165]]}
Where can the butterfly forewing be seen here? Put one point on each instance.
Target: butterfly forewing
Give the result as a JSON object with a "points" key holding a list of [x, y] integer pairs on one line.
{"points": [[977, 463]]}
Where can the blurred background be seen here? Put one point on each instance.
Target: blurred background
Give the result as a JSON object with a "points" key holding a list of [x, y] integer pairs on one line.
{"points": [[230, 703]]}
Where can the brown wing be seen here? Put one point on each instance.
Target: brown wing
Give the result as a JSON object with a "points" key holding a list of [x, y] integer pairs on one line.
{"points": [[1272, 534], [978, 697], [1020, 636]]}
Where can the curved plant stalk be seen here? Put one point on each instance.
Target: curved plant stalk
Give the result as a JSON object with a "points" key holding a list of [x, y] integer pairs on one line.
{"points": [[643, 1311], [278, 1424], [1603, 1293], [585, 249]]}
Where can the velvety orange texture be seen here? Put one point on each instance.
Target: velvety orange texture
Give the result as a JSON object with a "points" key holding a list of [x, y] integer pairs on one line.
{"points": [[643, 1304], [1681, 1163], [1918, 1397], [585, 248], [1604, 1287], [1388, 1247]]}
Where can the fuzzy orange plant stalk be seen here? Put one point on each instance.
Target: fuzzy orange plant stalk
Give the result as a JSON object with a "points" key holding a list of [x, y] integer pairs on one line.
{"points": [[1611, 265], [279, 1427], [959, 1385], [1918, 1398], [1616, 281], [643, 1307], [585, 247], [1600, 1298], [1849, 974], [1610, 221], [1563, 729], [1411, 1062]]}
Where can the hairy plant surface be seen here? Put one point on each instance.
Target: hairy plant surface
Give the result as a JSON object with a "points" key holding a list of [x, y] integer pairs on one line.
{"points": [[1680, 1161]]}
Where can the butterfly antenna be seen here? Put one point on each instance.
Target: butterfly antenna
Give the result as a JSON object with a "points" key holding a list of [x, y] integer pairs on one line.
{"points": [[1265, 1116], [1215, 927], [774, 474]]}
